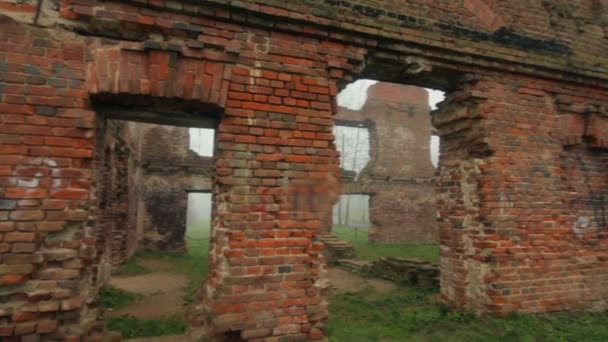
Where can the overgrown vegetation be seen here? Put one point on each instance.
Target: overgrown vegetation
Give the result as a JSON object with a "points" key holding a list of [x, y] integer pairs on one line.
{"points": [[132, 327], [113, 298], [409, 314], [367, 251]]}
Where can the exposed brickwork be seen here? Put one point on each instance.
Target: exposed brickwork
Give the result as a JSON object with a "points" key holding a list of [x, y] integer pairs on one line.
{"points": [[518, 220], [522, 225], [115, 240], [399, 176]]}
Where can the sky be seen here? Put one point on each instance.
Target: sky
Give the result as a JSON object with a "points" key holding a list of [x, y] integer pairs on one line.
{"points": [[354, 97], [201, 141]]}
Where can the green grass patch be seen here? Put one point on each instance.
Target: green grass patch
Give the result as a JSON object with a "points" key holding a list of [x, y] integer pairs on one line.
{"points": [[197, 269], [367, 251], [410, 314], [113, 298], [132, 327]]}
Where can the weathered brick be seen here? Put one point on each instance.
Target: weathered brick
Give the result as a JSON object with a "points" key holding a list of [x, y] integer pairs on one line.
{"points": [[46, 326], [514, 165]]}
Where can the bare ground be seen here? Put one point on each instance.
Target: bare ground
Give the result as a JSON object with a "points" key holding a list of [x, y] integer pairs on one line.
{"points": [[345, 281], [162, 291]]}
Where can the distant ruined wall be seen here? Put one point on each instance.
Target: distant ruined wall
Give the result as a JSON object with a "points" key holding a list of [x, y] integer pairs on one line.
{"points": [[169, 171], [399, 175]]}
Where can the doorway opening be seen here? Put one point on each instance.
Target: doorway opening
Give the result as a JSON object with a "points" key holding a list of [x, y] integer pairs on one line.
{"points": [[389, 153], [152, 236], [387, 213], [198, 226]]}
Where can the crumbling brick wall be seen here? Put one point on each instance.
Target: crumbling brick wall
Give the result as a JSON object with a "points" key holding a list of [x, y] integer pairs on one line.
{"points": [[399, 175], [526, 95], [114, 237], [169, 170]]}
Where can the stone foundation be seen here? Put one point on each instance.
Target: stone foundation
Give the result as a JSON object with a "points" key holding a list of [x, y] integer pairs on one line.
{"points": [[412, 272], [336, 249]]}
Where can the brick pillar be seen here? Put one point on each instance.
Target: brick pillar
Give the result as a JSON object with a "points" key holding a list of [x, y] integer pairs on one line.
{"points": [[520, 218], [464, 152], [276, 166]]}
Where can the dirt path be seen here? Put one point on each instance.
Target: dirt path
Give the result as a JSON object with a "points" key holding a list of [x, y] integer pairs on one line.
{"points": [[345, 281], [162, 291]]}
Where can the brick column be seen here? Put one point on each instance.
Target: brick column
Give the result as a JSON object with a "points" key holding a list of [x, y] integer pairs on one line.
{"points": [[464, 126], [515, 218], [276, 166]]}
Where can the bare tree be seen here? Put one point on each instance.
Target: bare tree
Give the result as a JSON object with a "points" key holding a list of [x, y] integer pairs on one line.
{"points": [[354, 150]]}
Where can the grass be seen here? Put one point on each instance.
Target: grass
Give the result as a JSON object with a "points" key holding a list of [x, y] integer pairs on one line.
{"points": [[406, 314], [194, 264], [197, 268], [367, 251], [409, 314], [113, 298], [132, 327]]}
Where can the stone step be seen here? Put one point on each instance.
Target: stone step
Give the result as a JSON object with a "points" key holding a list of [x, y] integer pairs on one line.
{"points": [[336, 249], [354, 265]]}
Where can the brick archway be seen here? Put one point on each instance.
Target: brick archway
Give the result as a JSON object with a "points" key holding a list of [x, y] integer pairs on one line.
{"points": [[157, 73]]}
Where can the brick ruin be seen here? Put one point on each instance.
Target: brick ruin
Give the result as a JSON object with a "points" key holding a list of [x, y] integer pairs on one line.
{"points": [[520, 185], [399, 176]]}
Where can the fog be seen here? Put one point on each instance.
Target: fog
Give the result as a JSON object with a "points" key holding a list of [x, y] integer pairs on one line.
{"points": [[353, 144], [199, 208], [352, 211]]}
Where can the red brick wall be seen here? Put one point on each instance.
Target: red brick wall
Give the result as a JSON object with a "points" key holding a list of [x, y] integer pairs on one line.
{"points": [[399, 175], [46, 182], [527, 229], [507, 215]]}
